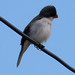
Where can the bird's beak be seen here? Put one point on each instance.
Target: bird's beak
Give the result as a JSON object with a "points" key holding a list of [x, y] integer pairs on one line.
{"points": [[56, 16]]}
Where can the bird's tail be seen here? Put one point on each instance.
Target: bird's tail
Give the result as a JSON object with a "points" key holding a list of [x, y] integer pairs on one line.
{"points": [[23, 49]]}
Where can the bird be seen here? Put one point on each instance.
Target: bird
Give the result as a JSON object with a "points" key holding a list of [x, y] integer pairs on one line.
{"points": [[39, 29]]}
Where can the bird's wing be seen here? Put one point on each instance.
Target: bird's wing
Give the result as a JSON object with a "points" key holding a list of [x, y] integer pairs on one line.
{"points": [[25, 43], [27, 29]]}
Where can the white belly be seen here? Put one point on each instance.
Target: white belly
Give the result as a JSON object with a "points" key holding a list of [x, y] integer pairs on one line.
{"points": [[41, 30]]}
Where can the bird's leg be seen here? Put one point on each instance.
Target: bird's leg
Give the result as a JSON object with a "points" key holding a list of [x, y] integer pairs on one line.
{"points": [[39, 46]]}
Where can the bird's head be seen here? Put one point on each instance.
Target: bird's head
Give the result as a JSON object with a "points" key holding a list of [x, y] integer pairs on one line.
{"points": [[49, 11]]}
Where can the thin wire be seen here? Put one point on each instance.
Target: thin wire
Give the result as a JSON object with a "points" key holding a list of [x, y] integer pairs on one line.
{"points": [[40, 46]]}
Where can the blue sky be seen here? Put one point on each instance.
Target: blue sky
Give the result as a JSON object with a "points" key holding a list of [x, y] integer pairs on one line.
{"points": [[35, 62]]}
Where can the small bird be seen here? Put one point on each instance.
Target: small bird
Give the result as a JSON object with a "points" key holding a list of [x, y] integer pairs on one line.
{"points": [[39, 29]]}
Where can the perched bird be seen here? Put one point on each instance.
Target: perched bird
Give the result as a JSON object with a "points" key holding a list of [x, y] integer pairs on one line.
{"points": [[39, 29]]}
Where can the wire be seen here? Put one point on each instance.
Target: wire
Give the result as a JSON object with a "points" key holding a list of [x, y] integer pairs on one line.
{"points": [[40, 46]]}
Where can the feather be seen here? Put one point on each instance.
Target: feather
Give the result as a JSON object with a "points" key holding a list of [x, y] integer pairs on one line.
{"points": [[23, 49]]}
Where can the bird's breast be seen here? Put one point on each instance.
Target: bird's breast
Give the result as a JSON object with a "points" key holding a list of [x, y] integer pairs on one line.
{"points": [[41, 30]]}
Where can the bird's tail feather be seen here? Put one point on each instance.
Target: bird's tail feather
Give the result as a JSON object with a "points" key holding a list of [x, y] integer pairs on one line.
{"points": [[23, 49]]}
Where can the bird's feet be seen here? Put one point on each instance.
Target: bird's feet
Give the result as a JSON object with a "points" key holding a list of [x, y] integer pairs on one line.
{"points": [[39, 46]]}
